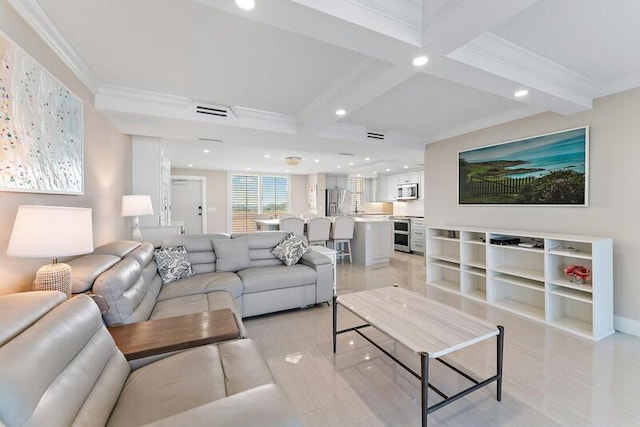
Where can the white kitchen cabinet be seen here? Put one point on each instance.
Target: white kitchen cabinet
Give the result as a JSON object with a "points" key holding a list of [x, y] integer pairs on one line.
{"points": [[528, 278], [417, 235], [372, 241], [392, 186], [336, 181]]}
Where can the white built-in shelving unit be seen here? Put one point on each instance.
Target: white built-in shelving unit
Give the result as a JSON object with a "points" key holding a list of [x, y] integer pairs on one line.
{"points": [[529, 281]]}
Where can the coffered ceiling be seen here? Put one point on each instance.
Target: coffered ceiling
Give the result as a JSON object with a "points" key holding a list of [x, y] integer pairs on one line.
{"points": [[280, 71]]}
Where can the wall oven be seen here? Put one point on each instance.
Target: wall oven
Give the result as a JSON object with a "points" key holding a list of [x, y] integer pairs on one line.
{"points": [[402, 235]]}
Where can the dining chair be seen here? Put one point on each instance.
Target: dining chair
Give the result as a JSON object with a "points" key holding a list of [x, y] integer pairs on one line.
{"points": [[318, 230], [341, 235]]}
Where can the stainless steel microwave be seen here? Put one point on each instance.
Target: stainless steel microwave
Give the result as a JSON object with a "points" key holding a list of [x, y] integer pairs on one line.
{"points": [[407, 191]]}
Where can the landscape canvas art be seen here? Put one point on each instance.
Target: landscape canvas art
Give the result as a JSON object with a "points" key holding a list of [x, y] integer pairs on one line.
{"points": [[40, 127], [549, 169]]}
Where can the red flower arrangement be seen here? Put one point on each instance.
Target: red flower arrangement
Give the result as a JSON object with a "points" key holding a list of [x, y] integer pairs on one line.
{"points": [[577, 273]]}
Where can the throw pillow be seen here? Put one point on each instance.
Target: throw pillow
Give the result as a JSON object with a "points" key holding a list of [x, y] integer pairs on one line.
{"points": [[173, 263], [231, 254], [290, 249]]}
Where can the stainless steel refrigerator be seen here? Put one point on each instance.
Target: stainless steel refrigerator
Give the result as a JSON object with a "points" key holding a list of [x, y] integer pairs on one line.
{"points": [[336, 202]]}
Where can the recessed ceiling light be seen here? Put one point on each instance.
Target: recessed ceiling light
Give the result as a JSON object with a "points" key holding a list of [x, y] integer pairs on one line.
{"points": [[351, 163], [317, 160], [248, 169], [521, 93], [266, 156], [419, 61], [206, 151], [339, 167], [341, 112], [367, 159], [287, 171], [190, 165], [246, 4], [388, 170], [406, 167], [358, 175]]}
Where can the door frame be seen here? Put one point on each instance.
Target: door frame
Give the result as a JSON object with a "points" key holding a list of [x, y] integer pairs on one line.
{"points": [[203, 181]]}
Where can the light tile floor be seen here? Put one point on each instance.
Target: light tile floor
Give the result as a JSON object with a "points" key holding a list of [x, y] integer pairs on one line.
{"points": [[551, 378]]}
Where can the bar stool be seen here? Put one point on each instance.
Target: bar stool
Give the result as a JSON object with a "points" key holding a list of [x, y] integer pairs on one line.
{"points": [[318, 230], [293, 224], [341, 234]]}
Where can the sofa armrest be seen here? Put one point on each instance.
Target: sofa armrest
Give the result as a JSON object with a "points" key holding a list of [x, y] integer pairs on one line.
{"points": [[313, 258], [262, 406]]}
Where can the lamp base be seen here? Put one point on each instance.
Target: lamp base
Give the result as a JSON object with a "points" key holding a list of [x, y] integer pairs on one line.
{"points": [[136, 234], [53, 277]]}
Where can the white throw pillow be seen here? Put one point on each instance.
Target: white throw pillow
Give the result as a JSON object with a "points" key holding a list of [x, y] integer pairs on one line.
{"points": [[290, 249], [173, 263]]}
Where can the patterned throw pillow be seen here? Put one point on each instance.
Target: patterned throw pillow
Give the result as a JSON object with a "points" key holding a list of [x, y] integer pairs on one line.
{"points": [[172, 263], [290, 249]]}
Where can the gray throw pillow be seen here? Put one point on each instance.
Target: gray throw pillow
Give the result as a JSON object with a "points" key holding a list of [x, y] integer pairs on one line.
{"points": [[173, 263], [231, 254], [290, 249]]}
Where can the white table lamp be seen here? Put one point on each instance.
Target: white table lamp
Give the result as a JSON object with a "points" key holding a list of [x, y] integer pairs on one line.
{"points": [[51, 231], [135, 205]]}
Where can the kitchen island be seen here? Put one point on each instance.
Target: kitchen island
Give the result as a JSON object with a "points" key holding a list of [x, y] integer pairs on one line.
{"points": [[372, 241]]}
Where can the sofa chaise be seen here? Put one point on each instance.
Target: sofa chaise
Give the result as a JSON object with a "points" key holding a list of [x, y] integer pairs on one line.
{"points": [[59, 366], [229, 271]]}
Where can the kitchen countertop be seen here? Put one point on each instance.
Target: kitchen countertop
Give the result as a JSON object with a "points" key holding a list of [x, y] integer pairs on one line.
{"points": [[370, 219]]}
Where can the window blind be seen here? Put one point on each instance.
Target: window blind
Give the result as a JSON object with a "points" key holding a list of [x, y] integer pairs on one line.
{"points": [[257, 194]]}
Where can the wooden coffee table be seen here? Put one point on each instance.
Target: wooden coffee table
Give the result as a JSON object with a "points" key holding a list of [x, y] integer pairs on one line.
{"points": [[428, 328], [153, 337]]}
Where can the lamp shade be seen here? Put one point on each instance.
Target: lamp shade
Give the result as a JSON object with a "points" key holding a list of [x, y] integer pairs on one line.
{"points": [[51, 231], [136, 205]]}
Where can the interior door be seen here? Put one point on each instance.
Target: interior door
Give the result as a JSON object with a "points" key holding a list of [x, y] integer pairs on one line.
{"points": [[186, 204]]}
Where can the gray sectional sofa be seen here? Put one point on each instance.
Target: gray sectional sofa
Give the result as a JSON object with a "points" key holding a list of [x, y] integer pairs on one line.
{"points": [[242, 275], [60, 367]]}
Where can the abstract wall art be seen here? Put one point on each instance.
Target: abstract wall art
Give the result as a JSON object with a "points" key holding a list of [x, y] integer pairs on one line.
{"points": [[549, 169], [41, 134]]}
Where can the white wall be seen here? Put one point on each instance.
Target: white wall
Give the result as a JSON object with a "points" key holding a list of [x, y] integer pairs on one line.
{"points": [[614, 199], [107, 169], [216, 197]]}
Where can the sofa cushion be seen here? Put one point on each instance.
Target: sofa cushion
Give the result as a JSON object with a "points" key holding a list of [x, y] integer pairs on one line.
{"points": [[198, 303], [258, 279], [232, 254], [290, 249], [172, 263], [202, 284], [170, 386]]}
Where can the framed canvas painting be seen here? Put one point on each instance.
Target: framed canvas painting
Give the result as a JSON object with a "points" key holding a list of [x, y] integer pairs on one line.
{"points": [[550, 169], [41, 134]]}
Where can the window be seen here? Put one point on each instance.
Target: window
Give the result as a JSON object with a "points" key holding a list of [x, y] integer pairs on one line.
{"points": [[356, 194], [252, 195]]}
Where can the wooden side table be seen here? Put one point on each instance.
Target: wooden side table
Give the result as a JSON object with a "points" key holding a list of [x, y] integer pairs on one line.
{"points": [[153, 337]]}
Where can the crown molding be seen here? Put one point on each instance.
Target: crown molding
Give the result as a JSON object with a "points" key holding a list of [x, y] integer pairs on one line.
{"points": [[40, 22], [508, 60], [127, 100]]}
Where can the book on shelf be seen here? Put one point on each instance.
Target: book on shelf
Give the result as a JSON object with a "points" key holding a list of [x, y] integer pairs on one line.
{"points": [[563, 250]]}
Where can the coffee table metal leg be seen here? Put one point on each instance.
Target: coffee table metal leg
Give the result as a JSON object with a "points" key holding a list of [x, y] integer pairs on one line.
{"points": [[500, 358], [424, 385], [335, 322]]}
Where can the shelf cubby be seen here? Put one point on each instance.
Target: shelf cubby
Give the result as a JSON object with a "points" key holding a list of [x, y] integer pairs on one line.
{"points": [[474, 284], [525, 280]]}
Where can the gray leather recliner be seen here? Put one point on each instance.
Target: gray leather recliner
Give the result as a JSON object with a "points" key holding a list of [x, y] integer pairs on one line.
{"points": [[59, 366]]}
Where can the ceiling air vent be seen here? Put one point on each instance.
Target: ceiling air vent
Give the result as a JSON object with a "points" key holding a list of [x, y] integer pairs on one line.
{"points": [[212, 110], [376, 136]]}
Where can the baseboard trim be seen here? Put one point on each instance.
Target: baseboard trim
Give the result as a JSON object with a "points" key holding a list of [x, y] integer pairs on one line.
{"points": [[628, 326]]}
